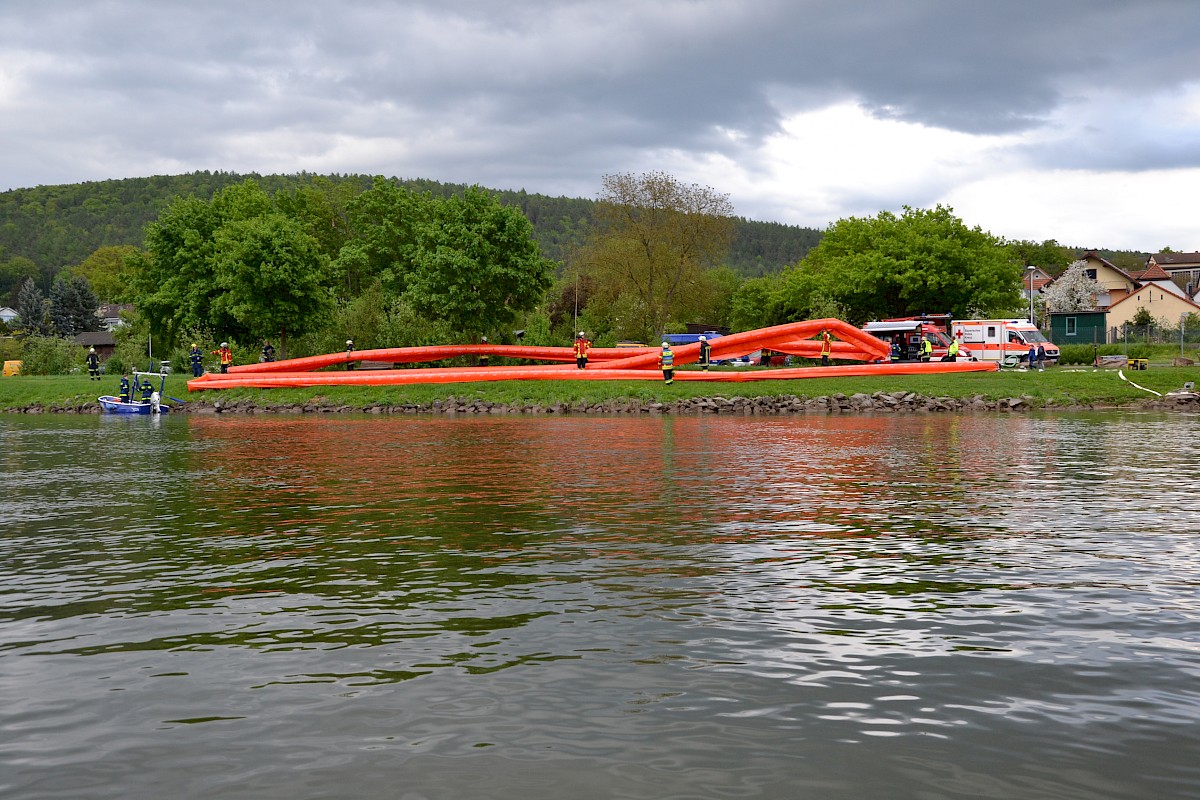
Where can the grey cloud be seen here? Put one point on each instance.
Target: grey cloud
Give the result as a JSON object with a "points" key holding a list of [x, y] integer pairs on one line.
{"points": [[551, 92]]}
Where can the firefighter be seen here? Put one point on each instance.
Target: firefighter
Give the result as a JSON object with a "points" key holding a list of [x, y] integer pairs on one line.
{"points": [[926, 349], [666, 360], [952, 353], [826, 348], [349, 350], [125, 390], [582, 346], [705, 351], [226, 355], [268, 353], [147, 389], [483, 357], [93, 364], [197, 359]]}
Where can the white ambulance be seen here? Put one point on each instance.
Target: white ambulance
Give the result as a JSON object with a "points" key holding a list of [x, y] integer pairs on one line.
{"points": [[1003, 340]]}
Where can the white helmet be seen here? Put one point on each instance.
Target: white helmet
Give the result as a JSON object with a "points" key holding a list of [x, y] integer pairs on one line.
{"points": [[581, 334], [666, 345], [224, 344], [703, 338], [349, 341]]}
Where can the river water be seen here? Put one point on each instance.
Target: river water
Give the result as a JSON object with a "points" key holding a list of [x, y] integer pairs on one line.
{"points": [[950, 606]]}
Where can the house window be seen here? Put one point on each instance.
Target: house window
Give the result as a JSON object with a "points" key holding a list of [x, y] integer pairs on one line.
{"points": [[1072, 326], [1091, 273]]}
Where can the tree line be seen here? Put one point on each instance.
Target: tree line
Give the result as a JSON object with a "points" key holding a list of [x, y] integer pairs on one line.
{"points": [[312, 261], [47, 228]]}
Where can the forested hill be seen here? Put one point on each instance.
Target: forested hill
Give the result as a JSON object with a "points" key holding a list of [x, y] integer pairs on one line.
{"points": [[59, 226]]}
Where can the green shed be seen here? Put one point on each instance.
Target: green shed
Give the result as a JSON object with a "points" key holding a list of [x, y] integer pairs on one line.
{"points": [[1078, 327]]}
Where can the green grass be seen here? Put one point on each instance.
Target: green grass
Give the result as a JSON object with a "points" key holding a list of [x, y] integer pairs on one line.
{"points": [[1056, 386]]}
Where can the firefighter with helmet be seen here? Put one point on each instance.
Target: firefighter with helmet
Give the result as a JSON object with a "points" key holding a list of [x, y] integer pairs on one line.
{"points": [[666, 361], [226, 356], [582, 346]]}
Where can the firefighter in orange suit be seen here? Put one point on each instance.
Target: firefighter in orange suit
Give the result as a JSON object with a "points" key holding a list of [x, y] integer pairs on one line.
{"points": [[226, 356], [826, 348], [582, 346]]}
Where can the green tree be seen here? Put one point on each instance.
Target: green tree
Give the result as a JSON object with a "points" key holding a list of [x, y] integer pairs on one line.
{"points": [[1050, 256], [476, 266], [653, 240], [385, 221], [73, 306], [32, 309], [886, 266], [13, 273], [270, 273], [108, 271]]}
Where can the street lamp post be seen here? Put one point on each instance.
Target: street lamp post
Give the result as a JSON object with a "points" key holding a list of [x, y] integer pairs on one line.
{"points": [[1030, 270]]}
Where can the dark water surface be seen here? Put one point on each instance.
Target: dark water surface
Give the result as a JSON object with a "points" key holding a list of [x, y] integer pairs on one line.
{"points": [[511, 607]]}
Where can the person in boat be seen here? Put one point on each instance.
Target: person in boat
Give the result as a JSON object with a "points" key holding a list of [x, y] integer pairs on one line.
{"points": [[826, 348], [147, 389], [197, 359], [582, 346], [268, 353], [666, 362], [93, 364], [483, 358], [349, 350], [226, 356], [705, 352], [125, 389]]}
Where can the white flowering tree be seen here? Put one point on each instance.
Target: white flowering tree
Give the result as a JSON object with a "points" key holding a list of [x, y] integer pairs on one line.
{"points": [[1073, 290]]}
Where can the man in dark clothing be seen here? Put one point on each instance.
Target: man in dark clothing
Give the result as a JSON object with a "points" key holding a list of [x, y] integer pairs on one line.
{"points": [[197, 359], [125, 389], [705, 352], [268, 353], [93, 364]]}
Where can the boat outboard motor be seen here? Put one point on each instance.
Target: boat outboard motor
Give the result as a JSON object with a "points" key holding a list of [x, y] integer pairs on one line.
{"points": [[154, 406]]}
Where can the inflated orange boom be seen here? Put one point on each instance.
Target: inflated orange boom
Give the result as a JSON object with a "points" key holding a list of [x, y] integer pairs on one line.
{"points": [[605, 363]]}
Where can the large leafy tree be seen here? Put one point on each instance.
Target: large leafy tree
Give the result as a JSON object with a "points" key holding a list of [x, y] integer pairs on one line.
{"points": [[385, 221], [477, 265], [73, 306], [654, 239], [108, 272], [271, 277], [234, 266], [886, 266]]}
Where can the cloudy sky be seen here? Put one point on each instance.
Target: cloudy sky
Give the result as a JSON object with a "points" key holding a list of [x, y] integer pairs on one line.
{"points": [[1074, 120]]}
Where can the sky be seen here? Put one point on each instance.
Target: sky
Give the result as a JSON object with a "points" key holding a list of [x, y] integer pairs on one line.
{"points": [[1072, 120]]}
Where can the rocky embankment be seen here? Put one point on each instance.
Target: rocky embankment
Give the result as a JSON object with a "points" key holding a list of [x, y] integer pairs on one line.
{"points": [[879, 402]]}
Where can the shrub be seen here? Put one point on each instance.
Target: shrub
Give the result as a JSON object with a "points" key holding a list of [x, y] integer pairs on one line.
{"points": [[52, 355]]}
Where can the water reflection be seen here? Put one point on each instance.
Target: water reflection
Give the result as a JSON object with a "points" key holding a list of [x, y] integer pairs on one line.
{"points": [[739, 607]]}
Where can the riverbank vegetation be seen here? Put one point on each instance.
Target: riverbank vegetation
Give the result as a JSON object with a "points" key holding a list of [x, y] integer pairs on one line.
{"points": [[309, 262], [1055, 387]]}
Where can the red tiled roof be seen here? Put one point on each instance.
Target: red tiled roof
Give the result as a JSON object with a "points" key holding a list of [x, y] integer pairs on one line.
{"points": [[1155, 273]]}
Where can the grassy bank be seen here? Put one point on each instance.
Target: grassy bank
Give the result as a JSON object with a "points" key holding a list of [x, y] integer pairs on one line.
{"points": [[1058, 387]]}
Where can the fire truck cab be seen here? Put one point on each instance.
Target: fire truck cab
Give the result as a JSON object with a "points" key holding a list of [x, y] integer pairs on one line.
{"points": [[907, 333]]}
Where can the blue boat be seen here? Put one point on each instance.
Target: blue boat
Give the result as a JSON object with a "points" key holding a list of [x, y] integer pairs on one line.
{"points": [[154, 405]]}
